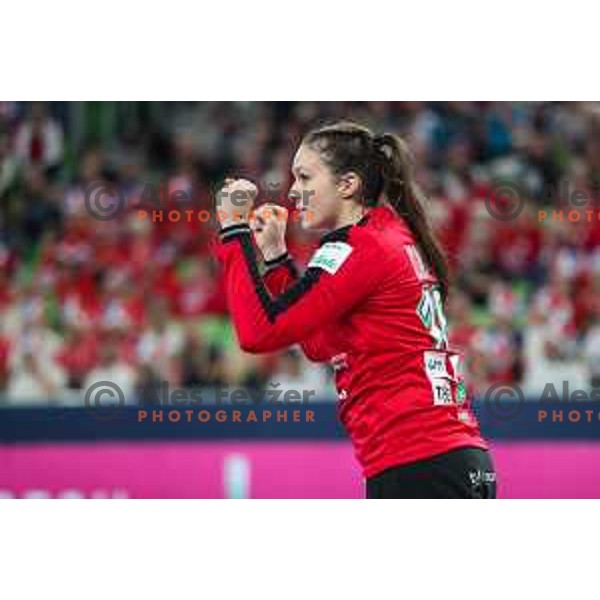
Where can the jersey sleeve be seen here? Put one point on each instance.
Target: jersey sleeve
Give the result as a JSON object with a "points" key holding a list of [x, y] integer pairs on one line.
{"points": [[339, 276], [281, 274]]}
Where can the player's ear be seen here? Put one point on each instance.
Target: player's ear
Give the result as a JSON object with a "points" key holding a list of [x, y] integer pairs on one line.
{"points": [[349, 185]]}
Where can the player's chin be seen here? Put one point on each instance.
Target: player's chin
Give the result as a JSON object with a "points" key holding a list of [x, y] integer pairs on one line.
{"points": [[308, 221]]}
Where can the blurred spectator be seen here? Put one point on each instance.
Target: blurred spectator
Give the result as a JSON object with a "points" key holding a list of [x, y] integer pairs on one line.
{"points": [[35, 380], [516, 246], [40, 214], [39, 138], [552, 314], [78, 355], [496, 353], [292, 373], [199, 293], [4, 354], [476, 267], [148, 387], [9, 164], [112, 369], [591, 352], [91, 171], [461, 328], [34, 336], [201, 366], [161, 342], [215, 372]]}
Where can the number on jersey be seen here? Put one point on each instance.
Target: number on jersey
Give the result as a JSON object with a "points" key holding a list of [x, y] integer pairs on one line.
{"points": [[431, 313], [430, 308]]}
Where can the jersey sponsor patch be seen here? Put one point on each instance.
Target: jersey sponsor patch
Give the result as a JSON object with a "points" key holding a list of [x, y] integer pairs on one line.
{"points": [[442, 391], [435, 364], [331, 256], [443, 371]]}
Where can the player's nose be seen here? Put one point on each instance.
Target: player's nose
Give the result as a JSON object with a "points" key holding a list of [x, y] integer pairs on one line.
{"points": [[295, 198]]}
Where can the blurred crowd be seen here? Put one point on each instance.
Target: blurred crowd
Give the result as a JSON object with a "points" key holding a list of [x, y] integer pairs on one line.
{"points": [[139, 300]]}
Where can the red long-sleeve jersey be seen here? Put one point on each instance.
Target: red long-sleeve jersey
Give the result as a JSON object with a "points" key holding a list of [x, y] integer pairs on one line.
{"points": [[368, 303]]}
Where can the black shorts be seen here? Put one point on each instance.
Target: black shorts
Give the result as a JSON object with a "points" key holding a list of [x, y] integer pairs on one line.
{"points": [[460, 473]]}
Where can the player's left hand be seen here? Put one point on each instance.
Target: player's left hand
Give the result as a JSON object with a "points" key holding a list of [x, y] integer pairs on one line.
{"points": [[268, 225]]}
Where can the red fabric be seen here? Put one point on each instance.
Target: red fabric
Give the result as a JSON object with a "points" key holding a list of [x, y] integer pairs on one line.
{"points": [[79, 356], [79, 284], [452, 232], [462, 337], [163, 283], [4, 354], [586, 302], [517, 249], [36, 145], [368, 308]]}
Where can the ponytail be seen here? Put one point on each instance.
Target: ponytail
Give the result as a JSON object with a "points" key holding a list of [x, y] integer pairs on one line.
{"points": [[409, 201]]}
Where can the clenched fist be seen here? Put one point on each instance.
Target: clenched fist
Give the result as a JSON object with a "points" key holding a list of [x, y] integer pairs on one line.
{"points": [[268, 222], [235, 201]]}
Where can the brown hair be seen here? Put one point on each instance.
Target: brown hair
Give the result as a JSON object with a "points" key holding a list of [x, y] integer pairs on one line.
{"points": [[385, 166]]}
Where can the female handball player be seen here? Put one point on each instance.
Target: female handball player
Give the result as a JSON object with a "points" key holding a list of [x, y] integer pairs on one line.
{"points": [[371, 302]]}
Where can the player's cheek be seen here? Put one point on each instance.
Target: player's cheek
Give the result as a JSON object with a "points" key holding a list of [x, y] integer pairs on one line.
{"points": [[312, 200], [313, 210]]}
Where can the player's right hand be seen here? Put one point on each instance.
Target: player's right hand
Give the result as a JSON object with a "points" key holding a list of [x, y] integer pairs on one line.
{"points": [[268, 223], [235, 201]]}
